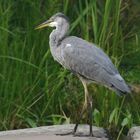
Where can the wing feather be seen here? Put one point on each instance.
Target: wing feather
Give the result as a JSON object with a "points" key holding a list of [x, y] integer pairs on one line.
{"points": [[86, 58], [91, 62]]}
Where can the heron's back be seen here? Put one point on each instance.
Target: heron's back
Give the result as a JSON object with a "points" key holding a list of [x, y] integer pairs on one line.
{"points": [[90, 62]]}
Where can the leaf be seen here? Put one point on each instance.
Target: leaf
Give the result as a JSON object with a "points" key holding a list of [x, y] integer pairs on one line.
{"points": [[31, 122], [125, 122], [97, 115], [113, 114]]}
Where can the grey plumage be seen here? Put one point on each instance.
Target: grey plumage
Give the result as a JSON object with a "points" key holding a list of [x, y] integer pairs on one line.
{"points": [[92, 63], [84, 59]]}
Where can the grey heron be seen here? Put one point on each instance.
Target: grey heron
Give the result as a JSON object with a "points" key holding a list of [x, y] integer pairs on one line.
{"points": [[84, 59]]}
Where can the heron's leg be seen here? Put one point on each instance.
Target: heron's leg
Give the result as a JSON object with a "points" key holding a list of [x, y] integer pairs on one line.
{"points": [[80, 117], [87, 105], [78, 121], [84, 105], [90, 115], [88, 102]]}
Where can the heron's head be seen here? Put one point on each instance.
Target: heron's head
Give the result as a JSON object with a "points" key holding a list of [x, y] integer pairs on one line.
{"points": [[59, 19]]}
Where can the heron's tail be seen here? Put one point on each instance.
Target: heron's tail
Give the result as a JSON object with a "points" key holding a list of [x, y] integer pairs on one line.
{"points": [[119, 85]]}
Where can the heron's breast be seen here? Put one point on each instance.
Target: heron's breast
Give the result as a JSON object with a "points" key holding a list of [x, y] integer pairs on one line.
{"points": [[57, 54]]}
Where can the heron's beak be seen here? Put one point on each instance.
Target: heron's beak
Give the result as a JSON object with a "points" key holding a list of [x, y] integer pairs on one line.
{"points": [[44, 24]]}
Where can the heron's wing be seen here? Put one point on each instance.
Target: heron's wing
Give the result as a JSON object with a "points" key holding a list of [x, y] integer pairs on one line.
{"points": [[85, 58], [89, 61]]}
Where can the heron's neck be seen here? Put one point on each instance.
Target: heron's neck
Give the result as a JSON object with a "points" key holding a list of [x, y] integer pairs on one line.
{"points": [[58, 34]]}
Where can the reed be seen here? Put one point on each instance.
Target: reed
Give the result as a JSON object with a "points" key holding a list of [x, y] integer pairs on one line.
{"points": [[35, 90]]}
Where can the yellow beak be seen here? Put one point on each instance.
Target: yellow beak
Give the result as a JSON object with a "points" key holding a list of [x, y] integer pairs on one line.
{"points": [[44, 24]]}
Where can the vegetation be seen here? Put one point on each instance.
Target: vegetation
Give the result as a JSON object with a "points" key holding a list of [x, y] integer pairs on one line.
{"points": [[35, 90]]}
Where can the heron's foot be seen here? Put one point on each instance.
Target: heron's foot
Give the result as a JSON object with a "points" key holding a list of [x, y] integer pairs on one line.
{"points": [[83, 135], [67, 133], [76, 134], [91, 134]]}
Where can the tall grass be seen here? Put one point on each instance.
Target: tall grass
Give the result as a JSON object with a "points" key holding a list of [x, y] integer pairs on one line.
{"points": [[35, 90]]}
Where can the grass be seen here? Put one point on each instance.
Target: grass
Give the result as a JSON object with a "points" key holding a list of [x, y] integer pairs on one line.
{"points": [[35, 90]]}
